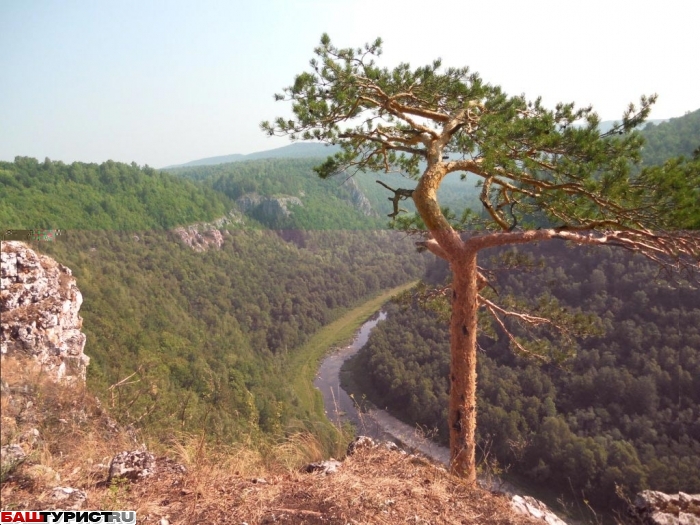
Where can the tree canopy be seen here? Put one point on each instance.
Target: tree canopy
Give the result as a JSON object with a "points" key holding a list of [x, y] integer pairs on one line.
{"points": [[530, 158]]}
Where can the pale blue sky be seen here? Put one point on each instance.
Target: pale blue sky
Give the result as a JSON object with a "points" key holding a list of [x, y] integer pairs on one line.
{"points": [[166, 82]]}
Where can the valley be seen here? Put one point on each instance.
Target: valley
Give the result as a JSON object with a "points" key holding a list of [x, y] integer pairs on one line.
{"points": [[218, 288]]}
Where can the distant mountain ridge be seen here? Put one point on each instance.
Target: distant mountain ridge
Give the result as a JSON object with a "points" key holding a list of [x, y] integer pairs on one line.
{"points": [[293, 151], [607, 125], [306, 149]]}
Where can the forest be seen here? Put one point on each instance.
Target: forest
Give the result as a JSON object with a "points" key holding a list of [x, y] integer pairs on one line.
{"points": [[671, 158], [108, 196], [325, 204], [207, 334], [330, 199], [623, 410], [678, 136]]}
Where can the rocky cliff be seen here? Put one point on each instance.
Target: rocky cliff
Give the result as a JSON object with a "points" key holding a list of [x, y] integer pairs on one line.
{"points": [[270, 208], [203, 235], [358, 199], [40, 303], [656, 508]]}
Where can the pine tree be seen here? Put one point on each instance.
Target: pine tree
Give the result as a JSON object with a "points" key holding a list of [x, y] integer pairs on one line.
{"points": [[544, 174]]}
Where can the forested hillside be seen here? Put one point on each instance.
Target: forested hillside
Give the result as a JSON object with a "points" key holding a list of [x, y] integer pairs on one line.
{"points": [[209, 333], [671, 157], [110, 195], [326, 203], [678, 136], [208, 336], [322, 204], [623, 410]]}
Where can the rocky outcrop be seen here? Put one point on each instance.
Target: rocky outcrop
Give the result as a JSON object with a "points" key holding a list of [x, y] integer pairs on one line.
{"points": [[199, 238], [268, 208], [366, 442], [11, 456], [204, 235], [360, 443], [534, 508], [248, 202], [357, 198], [68, 498], [656, 508], [327, 467], [133, 465], [40, 301]]}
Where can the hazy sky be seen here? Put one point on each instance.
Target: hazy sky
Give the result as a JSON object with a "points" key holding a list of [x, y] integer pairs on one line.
{"points": [[167, 82]]}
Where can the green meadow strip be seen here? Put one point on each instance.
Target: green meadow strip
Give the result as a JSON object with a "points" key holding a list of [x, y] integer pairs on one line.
{"points": [[303, 363]]}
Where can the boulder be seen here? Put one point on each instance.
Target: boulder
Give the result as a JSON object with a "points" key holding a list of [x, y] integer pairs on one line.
{"points": [[133, 465], [68, 498], [366, 442], [652, 507], [535, 508], [360, 443], [11, 456], [323, 467]]}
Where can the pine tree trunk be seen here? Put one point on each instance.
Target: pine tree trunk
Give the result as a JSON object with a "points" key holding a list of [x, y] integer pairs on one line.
{"points": [[446, 243], [463, 330]]}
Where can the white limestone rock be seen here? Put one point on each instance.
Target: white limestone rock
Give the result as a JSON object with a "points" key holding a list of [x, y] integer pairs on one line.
{"points": [[40, 302], [324, 467], [68, 498], [11, 456], [657, 508], [535, 508], [133, 465], [202, 236]]}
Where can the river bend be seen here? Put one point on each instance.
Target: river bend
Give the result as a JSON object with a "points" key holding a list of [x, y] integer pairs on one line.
{"points": [[379, 424]]}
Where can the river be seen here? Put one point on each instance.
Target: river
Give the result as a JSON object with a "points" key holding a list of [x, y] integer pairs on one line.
{"points": [[376, 423], [379, 424], [339, 406]]}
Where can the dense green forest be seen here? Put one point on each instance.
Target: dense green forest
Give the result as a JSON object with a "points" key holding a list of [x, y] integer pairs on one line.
{"points": [[110, 195], [207, 334], [671, 158], [324, 204], [624, 410], [678, 136]]}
